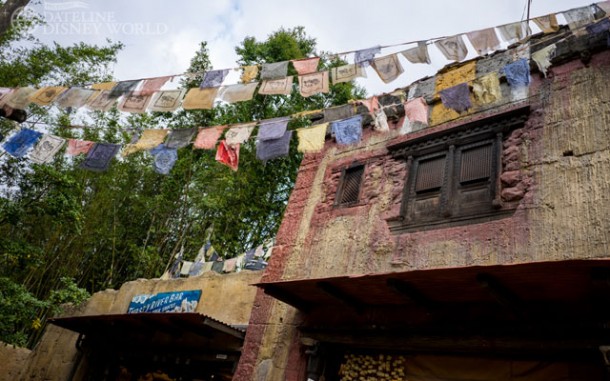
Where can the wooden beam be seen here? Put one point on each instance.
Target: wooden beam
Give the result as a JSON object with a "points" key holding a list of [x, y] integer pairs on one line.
{"points": [[459, 344], [280, 294], [503, 295], [411, 293], [342, 296]]}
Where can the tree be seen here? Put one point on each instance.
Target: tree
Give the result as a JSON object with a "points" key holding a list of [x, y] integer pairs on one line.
{"points": [[8, 12], [60, 222]]}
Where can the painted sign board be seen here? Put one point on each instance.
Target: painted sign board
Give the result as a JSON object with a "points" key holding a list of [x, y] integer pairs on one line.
{"points": [[177, 301]]}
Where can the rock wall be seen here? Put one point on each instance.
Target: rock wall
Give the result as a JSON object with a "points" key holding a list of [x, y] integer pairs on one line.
{"points": [[555, 171], [13, 360], [228, 298]]}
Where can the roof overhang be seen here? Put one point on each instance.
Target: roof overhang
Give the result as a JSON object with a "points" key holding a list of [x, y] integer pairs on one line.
{"points": [[532, 301], [153, 330]]}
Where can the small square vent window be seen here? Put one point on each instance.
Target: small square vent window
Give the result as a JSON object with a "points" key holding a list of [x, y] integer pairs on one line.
{"points": [[348, 192]]}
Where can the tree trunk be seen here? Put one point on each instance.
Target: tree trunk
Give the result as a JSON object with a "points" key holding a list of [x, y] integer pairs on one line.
{"points": [[6, 14]]}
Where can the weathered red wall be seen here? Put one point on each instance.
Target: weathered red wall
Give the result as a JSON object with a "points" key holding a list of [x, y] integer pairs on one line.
{"points": [[557, 215]]}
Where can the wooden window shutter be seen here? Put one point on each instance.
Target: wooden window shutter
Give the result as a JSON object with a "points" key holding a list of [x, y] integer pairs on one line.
{"points": [[476, 163], [430, 174], [350, 185]]}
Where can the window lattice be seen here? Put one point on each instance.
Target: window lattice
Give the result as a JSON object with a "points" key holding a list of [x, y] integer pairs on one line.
{"points": [[430, 174], [351, 185], [476, 163]]}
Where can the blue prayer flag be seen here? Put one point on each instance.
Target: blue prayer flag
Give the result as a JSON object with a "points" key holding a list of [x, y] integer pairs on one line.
{"points": [[271, 149], [272, 128], [456, 97], [348, 131], [22, 142], [164, 159], [518, 73]]}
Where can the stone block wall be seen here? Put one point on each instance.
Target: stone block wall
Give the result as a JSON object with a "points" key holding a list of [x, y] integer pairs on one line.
{"points": [[555, 175]]}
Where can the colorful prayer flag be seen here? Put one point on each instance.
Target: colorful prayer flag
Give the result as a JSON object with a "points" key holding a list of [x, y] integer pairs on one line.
{"points": [[548, 23], [315, 83], [164, 158], [272, 128], [365, 55], [77, 147], [249, 73], [238, 93], [228, 155], [272, 149], [99, 157], [150, 139], [579, 17], [135, 102], [347, 73], [311, 139], [103, 86], [200, 99], [306, 65], [338, 113], [275, 70], [19, 144], [486, 89], [453, 48], [418, 54], [213, 78], [348, 131], [484, 41], [514, 32], [152, 85], [372, 104], [75, 97], [47, 95], [180, 138], [166, 101], [238, 134], [388, 68], [281, 86], [20, 98], [456, 97], [542, 57], [102, 102], [123, 87], [207, 137], [518, 73], [46, 149]]}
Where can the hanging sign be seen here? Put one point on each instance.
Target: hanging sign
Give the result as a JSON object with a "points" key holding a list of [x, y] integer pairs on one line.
{"points": [[179, 301]]}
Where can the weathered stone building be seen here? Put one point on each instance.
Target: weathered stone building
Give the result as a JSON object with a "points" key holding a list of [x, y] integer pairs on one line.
{"points": [[473, 248], [102, 338]]}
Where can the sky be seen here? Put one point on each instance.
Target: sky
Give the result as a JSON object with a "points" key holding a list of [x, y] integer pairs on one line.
{"points": [[160, 37]]}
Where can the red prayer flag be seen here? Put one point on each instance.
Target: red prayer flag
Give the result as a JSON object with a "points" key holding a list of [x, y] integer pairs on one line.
{"points": [[228, 155]]}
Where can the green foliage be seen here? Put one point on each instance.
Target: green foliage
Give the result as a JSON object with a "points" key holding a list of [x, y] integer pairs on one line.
{"points": [[68, 293], [18, 311], [66, 232]]}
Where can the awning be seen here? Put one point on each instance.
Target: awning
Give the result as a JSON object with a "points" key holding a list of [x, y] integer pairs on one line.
{"points": [[546, 300], [184, 331]]}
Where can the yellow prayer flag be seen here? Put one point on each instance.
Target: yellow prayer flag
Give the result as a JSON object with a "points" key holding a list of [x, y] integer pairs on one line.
{"points": [[250, 73], [455, 75], [486, 89], [103, 86], [47, 95], [149, 140], [200, 99], [312, 139]]}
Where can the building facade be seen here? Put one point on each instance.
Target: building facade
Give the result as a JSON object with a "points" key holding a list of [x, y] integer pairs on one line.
{"points": [[473, 247]]}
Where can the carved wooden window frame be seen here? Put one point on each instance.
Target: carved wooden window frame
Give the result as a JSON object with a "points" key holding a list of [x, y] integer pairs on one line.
{"points": [[462, 197], [350, 186]]}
